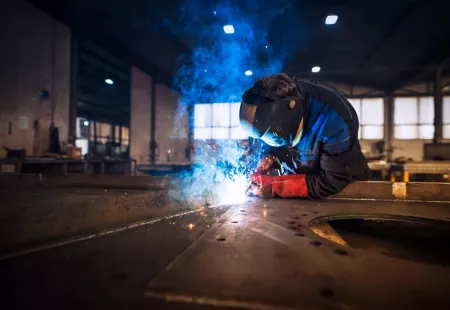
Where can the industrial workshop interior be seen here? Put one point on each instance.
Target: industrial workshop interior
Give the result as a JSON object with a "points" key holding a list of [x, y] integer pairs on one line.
{"points": [[225, 154]]}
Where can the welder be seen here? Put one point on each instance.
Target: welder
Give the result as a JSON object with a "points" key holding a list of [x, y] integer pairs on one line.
{"points": [[309, 134]]}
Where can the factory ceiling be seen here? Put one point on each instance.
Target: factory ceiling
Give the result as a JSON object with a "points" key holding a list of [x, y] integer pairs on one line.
{"points": [[382, 44]]}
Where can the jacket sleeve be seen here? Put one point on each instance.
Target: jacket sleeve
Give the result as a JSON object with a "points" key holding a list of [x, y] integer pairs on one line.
{"points": [[340, 164]]}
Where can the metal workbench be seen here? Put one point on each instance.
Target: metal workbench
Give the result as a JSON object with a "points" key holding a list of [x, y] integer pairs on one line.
{"points": [[407, 169], [66, 166]]}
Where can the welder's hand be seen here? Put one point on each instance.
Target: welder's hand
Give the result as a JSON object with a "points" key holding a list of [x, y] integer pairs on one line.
{"points": [[260, 185], [293, 185], [265, 163]]}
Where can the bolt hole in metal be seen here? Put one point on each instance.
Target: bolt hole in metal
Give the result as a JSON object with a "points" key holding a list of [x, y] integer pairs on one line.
{"points": [[326, 292], [291, 222], [340, 252], [234, 222], [299, 235], [242, 211], [220, 238], [403, 237], [315, 243]]}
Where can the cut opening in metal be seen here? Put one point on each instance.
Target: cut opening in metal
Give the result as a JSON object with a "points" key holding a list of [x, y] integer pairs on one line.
{"points": [[408, 238]]}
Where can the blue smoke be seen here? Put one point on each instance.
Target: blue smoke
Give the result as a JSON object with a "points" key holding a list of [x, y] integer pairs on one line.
{"points": [[215, 72]]}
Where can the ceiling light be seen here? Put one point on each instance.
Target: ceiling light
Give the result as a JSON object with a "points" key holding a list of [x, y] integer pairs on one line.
{"points": [[315, 69], [331, 19], [248, 72], [86, 123], [266, 46], [215, 13], [229, 29], [109, 81]]}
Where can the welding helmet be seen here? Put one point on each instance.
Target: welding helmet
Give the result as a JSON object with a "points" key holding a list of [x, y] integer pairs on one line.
{"points": [[276, 121]]}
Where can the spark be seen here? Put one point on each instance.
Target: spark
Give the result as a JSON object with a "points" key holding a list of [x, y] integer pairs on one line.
{"points": [[191, 226], [219, 176]]}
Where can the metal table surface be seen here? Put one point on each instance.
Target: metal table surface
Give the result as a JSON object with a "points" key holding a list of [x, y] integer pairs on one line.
{"points": [[264, 255], [260, 255]]}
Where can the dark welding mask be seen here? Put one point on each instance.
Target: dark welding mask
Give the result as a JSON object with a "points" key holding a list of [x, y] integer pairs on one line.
{"points": [[276, 121]]}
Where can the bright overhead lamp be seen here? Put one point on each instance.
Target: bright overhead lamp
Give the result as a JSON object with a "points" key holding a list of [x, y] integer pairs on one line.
{"points": [[248, 72], [228, 29], [109, 81], [331, 19], [315, 69]]}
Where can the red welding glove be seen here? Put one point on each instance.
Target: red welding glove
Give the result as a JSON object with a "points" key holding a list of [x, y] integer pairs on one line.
{"points": [[285, 186]]}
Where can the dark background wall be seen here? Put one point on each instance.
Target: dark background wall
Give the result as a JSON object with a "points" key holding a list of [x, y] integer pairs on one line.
{"points": [[35, 56]]}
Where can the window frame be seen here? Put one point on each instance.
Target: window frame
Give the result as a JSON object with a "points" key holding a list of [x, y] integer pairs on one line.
{"points": [[360, 118], [417, 124], [230, 126]]}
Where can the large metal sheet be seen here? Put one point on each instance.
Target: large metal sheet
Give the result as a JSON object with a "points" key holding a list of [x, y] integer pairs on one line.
{"points": [[265, 256]]}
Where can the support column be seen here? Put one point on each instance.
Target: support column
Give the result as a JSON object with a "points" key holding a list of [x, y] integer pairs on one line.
{"points": [[437, 138], [153, 145], [73, 88], [389, 124]]}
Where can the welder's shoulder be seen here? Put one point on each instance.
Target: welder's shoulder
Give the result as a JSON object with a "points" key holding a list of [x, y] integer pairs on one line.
{"points": [[336, 137]]}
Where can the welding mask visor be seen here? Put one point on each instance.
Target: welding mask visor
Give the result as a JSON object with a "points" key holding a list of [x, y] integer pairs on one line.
{"points": [[276, 121]]}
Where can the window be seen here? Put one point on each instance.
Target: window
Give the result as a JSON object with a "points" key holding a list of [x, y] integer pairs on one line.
{"points": [[371, 117], [125, 136], [446, 118], [217, 121], [413, 118]]}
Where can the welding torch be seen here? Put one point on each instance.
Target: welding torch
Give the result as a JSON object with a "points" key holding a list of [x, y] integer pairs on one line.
{"points": [[264, 168]]}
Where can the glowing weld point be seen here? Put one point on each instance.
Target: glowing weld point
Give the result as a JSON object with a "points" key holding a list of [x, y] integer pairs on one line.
{"points": [[228, 29]]}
